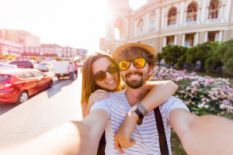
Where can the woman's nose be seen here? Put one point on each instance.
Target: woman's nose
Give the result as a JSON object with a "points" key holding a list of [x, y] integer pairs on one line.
{"points": [[108, 75]]}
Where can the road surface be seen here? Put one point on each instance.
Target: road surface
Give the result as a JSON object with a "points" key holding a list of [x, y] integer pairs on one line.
{"points": [[42, 112]]}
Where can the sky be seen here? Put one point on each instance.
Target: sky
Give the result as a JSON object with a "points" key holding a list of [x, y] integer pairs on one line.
{"points": [[74, 23]]}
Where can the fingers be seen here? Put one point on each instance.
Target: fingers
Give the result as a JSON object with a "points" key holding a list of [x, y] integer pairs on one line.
{"points": [[127, 142], [97, 96], [122, 143], [118, 146], [101, 91]]}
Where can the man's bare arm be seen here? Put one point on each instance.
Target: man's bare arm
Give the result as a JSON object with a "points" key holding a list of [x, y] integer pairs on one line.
{"points": [[203, 135]]}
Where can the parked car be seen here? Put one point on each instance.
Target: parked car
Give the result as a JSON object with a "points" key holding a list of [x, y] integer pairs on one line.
{"points": [[23, 63], [45, 66], [17, 85]]}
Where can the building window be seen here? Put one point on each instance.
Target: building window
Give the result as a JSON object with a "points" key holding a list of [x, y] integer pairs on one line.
{"points": [[213, 9], [140, 26], [212, 36], [152, 19], [191, 12], [170, 40], [172, 15], [189, 40]]}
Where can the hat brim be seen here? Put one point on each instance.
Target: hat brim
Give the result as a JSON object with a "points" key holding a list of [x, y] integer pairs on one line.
{"points": [[121, 48]]}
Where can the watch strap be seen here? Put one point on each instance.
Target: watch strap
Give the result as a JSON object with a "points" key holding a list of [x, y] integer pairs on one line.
{"points": [[140, 116]]}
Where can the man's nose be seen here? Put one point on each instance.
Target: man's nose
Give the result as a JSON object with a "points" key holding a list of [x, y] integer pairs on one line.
{"points": [[131, 66]]}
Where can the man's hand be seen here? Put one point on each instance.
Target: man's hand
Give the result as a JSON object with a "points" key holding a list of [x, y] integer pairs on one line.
{"points": [[123, 138]]}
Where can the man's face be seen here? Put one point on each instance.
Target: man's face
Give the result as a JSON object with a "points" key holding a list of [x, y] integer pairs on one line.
{"points": [[135, 77]]}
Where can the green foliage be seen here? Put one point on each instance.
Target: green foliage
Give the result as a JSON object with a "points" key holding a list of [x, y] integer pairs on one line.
{"points": [[172, 54], [213, 57], [177, 148], [228, 66]]}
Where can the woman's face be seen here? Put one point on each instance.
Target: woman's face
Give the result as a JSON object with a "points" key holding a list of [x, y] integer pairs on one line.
{"points": [[104, 74]]}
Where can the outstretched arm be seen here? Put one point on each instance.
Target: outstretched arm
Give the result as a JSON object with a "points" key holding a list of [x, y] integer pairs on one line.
{"points": [[203, 135], [72, 138], [160, 91]]}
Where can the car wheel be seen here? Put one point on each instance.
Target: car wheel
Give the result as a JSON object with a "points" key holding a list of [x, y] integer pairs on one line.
{"points": [[23, 97]]}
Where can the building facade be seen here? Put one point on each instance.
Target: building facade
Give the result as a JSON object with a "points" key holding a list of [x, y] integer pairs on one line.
{"points": [[22, 44], [175, 22]]}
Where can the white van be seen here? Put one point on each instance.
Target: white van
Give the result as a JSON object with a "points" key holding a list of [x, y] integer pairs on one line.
{"points": [[60, 69]]}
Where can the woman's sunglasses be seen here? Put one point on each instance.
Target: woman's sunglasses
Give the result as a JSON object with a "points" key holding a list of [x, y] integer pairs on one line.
{"points": [[137, 62], [101, 75]]}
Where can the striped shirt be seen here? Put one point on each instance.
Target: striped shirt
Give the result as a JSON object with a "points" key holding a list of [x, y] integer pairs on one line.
{"points": [[146, 135]]}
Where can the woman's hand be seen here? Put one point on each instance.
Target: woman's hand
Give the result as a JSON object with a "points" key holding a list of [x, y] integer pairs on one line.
{"points": [[96, 96]]}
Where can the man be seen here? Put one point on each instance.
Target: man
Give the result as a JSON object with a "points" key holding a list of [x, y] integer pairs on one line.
{"points": [[195, 132], [71, 70]]}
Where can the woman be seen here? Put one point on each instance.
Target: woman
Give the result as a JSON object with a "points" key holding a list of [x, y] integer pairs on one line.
{"points": [[101, 75]]}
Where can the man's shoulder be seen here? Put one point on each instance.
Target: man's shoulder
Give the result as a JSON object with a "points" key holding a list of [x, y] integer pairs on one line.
{"points": [[174, 99], [173, 102]]}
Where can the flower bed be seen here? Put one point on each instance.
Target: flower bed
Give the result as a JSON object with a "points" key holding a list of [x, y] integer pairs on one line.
{"points": [[203, 95]]}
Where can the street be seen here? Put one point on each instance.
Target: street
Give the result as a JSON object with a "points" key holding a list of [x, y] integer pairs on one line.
{"points": [[41, 112]]}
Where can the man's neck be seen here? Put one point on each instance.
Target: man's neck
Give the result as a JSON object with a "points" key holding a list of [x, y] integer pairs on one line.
{"points": [[135, 95]]}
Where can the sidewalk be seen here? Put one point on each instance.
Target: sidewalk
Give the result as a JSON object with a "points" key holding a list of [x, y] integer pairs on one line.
{"points": [[30, 119]]}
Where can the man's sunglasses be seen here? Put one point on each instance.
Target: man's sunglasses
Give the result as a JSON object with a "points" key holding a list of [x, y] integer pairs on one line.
{"points": [[101, 75], [137, 62]]}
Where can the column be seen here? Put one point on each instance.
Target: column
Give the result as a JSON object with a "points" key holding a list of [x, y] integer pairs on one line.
{"points": [[182, 9]]}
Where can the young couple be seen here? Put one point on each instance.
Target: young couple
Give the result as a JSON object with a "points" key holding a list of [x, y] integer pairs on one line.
{"points": [[101, 75], [127, 115]]}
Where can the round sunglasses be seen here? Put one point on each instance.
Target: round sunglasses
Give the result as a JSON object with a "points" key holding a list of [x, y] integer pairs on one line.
{"points": [[101, 75], [137, 62]]}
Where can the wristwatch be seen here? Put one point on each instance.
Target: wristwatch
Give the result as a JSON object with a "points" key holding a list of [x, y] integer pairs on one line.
{"points": [[140, 111]]}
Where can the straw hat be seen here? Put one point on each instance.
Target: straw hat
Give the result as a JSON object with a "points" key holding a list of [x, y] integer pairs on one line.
{"points": [[121, 48]]}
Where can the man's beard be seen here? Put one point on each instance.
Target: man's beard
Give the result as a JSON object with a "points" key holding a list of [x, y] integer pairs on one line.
{"points": [[134, 83]]}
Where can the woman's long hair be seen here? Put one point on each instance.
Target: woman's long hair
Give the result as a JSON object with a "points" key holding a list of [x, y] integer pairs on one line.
{"points": [[88, 82]]}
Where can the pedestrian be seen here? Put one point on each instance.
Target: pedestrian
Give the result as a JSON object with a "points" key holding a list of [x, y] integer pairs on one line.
{"points": [[76, 68], [71, 70]]}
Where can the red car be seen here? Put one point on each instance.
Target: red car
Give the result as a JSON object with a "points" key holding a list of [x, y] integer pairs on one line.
{"points": [[17, 85]]}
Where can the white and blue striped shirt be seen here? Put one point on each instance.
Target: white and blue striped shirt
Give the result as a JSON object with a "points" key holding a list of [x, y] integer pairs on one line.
{"points": [[146, 135]]}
